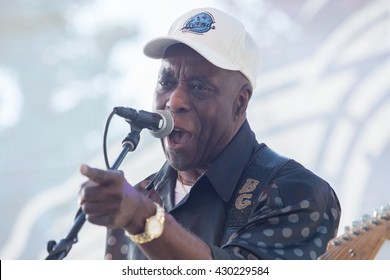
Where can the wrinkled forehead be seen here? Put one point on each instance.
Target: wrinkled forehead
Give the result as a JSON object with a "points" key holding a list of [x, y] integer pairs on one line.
{"points": [[182, 62], [182, 50], [182, 54], [187, 64]]}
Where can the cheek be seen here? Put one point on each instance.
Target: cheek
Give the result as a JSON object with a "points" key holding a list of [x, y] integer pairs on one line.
{"points": [[215, 115], [213, 126], [158, 102]]}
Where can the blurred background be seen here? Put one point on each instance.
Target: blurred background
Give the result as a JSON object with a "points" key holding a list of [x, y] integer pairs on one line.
{"points": [[323, 98]]}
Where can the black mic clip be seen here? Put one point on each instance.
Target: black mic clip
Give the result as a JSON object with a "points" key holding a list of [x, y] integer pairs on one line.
{"points": [[139, 119], [159, 123]]}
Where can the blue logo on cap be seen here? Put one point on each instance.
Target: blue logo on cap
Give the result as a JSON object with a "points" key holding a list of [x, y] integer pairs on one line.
{"points": [[199, 23]]}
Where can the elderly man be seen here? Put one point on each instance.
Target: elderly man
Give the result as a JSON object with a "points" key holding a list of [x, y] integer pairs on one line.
{"points": [[220, 194]]}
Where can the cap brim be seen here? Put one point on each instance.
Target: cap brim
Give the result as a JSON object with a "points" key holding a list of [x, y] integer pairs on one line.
{"points": [[156, 49]]}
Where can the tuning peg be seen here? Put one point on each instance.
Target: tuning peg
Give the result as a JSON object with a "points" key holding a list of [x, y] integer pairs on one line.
{"points": [[365, 218], [335, 242], [385, 213], [346, 237], [356, 227], [352, 230]]}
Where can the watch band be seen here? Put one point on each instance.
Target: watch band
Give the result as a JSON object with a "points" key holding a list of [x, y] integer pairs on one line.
{"points": [[153, 228]]}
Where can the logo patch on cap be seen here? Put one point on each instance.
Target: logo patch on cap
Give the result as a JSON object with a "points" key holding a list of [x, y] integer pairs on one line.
{"points": [[199, 23]]}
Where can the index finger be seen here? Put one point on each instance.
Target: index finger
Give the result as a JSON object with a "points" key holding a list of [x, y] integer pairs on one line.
{"points": [[94, 174]]}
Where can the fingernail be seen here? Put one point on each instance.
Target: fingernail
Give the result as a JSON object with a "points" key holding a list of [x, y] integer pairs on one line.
{"points": [[84, 169]]}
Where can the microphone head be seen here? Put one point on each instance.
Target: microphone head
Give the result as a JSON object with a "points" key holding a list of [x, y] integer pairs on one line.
{"points": [[167, 124]]}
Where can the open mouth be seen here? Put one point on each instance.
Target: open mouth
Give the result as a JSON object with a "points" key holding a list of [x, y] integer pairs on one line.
{"points": [[179, 138]]}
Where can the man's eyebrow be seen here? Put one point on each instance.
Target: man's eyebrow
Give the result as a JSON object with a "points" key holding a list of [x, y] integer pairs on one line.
{"points": [[166, 72], [169, 73]]}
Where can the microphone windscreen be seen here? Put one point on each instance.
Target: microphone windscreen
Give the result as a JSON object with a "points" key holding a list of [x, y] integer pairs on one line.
{"points": [[167, 124]]}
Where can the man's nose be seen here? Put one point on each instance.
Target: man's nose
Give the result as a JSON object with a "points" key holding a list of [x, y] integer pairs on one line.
{"points": [[179, 100]]}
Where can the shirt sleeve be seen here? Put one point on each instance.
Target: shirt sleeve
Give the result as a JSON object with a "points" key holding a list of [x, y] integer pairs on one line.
{"points": [[294, 217]]}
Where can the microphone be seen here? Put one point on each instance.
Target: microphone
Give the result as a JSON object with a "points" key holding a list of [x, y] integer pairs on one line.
{"points": [[159, 123]]}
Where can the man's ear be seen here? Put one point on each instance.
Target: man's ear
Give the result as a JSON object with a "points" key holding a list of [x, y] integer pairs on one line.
{"points": [[243, 98]]}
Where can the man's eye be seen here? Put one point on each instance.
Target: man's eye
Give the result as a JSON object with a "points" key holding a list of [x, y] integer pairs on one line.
{"points": [[199, 87], [201, 91], [166, 83]]}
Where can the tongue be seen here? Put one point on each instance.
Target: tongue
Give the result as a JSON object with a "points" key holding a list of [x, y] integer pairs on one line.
{"points": [[179, 137]]}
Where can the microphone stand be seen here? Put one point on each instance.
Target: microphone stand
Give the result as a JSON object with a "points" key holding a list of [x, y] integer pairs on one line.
{"points": [[58, 251]]}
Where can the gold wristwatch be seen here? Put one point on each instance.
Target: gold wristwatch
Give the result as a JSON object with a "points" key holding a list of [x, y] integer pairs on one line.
{"points": [[153, 229]]}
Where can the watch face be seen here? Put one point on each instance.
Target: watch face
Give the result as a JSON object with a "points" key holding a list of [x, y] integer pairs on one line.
{"points": [[154, 227]]}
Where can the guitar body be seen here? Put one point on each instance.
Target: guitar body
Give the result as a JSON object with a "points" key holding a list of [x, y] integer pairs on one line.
{"points": [[362, 240]]}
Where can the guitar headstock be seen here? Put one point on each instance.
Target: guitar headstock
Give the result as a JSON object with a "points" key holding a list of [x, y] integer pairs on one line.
{"points": [[384, 217], [363, 239], [379, 221]]}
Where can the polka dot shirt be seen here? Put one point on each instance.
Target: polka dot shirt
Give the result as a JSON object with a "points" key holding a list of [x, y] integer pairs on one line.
{"points": [[293, 219]]}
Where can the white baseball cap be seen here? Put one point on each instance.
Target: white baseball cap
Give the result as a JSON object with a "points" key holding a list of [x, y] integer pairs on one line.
{"points": [[217, 36]]}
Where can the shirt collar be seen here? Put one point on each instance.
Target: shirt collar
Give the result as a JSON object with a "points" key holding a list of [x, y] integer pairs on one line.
{"points": [[225, 172]]}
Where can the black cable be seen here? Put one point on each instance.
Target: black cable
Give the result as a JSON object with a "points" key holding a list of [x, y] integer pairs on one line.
{"points": [[105, 140]]}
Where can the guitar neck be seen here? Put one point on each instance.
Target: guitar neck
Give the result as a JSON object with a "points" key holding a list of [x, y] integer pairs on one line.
{"points": [[364, 247], [361, 242]]}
